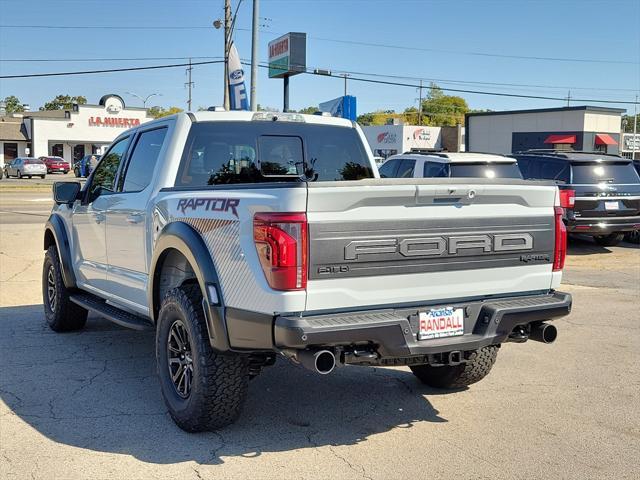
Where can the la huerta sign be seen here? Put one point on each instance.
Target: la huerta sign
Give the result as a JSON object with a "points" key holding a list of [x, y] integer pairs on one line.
{"points": [[288, 55]]}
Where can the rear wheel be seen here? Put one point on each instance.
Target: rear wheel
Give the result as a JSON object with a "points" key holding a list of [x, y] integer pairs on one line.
{"points": [[42, 177], [203, 389], [61, 313], [610, 240], [458, 376]]}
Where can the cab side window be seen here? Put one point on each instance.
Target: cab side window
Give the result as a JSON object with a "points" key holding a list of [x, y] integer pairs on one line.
{"points": [[143, 160], [406, 169], [388, 169], [104, 175], [435, 169]]}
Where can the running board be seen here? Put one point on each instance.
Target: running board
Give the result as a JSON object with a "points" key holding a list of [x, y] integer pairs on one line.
{"points": [[97, 305]]}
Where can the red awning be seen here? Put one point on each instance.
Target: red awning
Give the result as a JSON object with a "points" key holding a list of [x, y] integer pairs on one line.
{"points": [[560, 139], [605, 139]]}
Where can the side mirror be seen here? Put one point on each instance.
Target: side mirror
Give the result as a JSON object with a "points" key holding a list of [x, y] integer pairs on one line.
{"points": [[66, 192]]}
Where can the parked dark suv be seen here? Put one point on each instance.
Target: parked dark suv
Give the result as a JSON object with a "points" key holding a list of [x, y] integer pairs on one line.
{"points": [[607, 190]]}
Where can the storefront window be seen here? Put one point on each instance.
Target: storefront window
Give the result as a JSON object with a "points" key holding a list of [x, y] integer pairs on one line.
{"points": [[57, 150]]}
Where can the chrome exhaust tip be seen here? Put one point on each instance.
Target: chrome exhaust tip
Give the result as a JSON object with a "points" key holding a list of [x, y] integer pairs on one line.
{"points": [[320, 361]]}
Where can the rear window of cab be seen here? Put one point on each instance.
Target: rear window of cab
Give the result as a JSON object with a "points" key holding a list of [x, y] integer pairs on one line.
{"points": [[252, 152]]}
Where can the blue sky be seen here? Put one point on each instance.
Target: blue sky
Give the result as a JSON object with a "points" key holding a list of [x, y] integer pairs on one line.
{"points": [[444, 39]]}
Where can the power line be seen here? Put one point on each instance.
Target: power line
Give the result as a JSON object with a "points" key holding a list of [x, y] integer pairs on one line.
{"points": [[110, 70], [368, 74], [327, 39], [334, 75]]}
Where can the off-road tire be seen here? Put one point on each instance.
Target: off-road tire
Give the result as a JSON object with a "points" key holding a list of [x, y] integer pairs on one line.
{"points": [[219, 382], [610, 240], [62, 314], [458, 376]]}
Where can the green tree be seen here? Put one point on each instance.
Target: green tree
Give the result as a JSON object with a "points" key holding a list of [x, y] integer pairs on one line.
{"points": [[627, 123], [157, 112], [411, 116], [441, 110], [309, 110], [64, 102], [12, 104], [379, 117]]}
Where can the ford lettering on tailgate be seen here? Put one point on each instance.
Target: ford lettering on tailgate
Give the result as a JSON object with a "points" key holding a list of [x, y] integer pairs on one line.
{"points": [[365, 249]]}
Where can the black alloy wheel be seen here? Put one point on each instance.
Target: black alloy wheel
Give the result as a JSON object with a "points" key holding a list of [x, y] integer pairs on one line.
{"points": [[52, 290], [180, 358]]}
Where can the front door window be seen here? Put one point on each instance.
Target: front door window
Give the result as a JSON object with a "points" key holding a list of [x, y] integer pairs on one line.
{"points": [[104, 175]]}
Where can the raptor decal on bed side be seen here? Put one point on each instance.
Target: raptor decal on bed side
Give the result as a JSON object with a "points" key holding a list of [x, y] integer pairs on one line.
{"points": [[209, 204]]}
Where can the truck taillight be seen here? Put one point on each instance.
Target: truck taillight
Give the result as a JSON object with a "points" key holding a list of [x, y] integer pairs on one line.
{"points": [[281, 243], [567, 198], [560, 250]]}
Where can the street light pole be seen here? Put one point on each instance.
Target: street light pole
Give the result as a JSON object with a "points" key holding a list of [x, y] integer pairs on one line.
{"points": [[144, 99], [254, 55]]}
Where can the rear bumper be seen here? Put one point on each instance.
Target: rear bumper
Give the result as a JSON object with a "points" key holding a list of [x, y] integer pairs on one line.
{"points": [[393, 332], [603, 225]]}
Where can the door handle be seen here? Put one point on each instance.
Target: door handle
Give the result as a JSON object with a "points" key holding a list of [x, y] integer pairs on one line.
{"points": [[134, 218]]}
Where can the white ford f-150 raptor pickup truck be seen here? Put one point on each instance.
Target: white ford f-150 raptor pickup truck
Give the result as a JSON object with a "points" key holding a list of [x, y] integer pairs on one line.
{"points": [[240, 236]]}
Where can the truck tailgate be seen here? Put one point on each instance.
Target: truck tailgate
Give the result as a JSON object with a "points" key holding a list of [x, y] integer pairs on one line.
{"points": [[392, 241]]}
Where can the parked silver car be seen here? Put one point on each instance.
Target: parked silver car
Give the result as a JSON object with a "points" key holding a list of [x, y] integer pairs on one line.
{"points": [[26, 167]]}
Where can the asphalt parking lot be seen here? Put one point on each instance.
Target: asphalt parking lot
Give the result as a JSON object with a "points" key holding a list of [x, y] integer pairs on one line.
{"points": [[87, 404]]}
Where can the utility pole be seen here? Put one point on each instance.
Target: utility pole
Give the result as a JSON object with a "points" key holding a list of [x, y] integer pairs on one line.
{"points": [[227, 41], [635, 130], [420, 105], [568, 98], [189, 84], [345, 84], [254, 55]]}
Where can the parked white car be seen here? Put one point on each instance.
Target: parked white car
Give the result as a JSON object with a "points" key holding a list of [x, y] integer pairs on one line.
{"points": [[26, 167], [454, 165]]}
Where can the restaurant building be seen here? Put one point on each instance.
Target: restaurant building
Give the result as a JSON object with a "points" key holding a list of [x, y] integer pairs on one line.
{"points": [[584, 128], [70, 133]]}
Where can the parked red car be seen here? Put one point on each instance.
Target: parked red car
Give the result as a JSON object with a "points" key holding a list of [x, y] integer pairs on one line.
{"points": [[56, 164]]}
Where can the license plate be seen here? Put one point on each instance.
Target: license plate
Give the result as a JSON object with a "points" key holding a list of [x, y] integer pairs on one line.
{"points": [[441, 322], [611, 206]]}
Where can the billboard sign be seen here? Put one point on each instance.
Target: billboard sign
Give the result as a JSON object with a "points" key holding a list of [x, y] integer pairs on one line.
{"points": [[288, 55]]}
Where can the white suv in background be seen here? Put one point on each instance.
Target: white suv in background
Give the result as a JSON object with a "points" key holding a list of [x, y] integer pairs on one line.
{"points": [[454, 165]]}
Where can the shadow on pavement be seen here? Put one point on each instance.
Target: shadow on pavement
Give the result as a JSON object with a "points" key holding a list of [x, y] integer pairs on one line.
{"points": [[586, 245], [96, 389]]}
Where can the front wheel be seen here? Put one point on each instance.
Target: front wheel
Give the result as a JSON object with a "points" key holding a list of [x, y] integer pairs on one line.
{"points": [[61, 313], [42, 177], [610, 240], [458, 376], [203, 390]]}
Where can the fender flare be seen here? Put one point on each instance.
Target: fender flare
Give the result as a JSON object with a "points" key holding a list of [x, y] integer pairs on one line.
{"points": [[56, 228], [186, 240]]}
